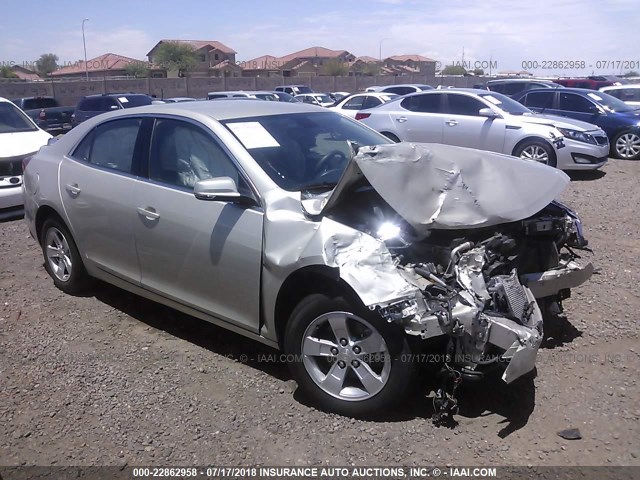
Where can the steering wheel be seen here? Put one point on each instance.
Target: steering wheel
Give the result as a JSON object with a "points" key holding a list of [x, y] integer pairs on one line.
{"points": [[321, 165]]}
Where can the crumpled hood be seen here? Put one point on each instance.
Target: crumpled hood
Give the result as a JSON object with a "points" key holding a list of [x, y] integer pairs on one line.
{"points": [[558, 121], [447, 187]]}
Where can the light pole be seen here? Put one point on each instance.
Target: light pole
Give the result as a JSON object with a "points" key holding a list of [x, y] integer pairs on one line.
{"points": [[380, 50], [84, 44]]}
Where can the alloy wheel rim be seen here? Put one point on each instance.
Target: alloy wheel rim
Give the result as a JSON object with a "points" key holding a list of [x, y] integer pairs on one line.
{"points": [[628, 145], [535, 152], [58, 254], [346, 356]]}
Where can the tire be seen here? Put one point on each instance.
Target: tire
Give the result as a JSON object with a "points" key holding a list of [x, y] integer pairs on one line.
{"points": [[358, 385], [626, 145], [391, 137], [62, 259], [537, 150]]}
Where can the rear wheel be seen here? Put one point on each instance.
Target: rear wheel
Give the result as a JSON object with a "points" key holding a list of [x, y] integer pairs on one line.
{"points": [[626, 145], [537, 150], [349, 360], [61, 257]]}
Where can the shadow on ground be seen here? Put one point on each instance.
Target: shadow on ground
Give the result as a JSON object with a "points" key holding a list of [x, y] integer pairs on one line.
{"points": [[489, 396], [585, 175]]}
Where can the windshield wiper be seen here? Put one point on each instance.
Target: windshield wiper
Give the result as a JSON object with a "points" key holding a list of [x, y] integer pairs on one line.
{"points": [[319, 186]]}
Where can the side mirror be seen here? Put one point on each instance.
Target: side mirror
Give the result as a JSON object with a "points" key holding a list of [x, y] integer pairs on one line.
{"points": [[218, 188], [488, 113]]}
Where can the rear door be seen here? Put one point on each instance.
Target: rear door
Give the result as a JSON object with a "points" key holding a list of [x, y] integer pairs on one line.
{"points": [[96, 185], [578, 106], [204, 254], [464, 127], [541, 101], [420, 118]]}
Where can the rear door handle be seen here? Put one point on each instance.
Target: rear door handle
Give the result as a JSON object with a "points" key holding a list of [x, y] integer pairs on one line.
{"points": [[401, 119], [451, 123], [148, 213], [74, 190]]}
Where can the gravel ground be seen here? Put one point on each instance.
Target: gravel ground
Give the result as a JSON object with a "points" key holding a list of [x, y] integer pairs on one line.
{"points": [[113, 379]]}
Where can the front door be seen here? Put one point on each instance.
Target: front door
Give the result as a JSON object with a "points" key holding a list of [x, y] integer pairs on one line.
{"points": [[204, 254]]}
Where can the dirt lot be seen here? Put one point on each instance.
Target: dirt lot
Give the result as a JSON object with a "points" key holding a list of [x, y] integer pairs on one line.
{"points": [[112, 379]]}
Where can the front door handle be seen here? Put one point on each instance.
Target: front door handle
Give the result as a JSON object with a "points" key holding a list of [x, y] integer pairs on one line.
{"points": [[451, 123], [149, 213], [73, 190], [401, 119]]}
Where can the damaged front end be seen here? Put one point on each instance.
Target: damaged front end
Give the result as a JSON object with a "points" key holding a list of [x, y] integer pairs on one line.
{"points": [[468, 247]]}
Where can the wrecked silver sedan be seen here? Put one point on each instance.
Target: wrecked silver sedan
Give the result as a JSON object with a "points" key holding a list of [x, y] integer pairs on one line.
{"points": [[312, 233]]}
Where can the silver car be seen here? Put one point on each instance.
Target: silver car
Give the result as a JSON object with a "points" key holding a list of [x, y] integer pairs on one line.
{"points": [[490, 121], [312, 233]]}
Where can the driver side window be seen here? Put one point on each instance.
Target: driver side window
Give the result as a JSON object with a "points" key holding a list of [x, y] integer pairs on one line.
{"points": [[183, 153]]}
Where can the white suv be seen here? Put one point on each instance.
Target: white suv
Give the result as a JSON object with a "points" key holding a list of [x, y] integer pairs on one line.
{"points": [[489, 121]]}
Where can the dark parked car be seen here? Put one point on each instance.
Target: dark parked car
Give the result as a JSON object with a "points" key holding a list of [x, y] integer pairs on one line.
{"points": [[46, 112], [616, 118], [93, 105], [511, 86]]}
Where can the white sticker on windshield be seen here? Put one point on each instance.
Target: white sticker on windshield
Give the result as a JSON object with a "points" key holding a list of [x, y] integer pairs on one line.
{"points": [[253, 135], [492, 99], [123, 99], [594, 96]]}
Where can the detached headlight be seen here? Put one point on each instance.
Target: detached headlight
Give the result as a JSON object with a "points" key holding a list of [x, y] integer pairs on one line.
{"points": [[388, 231], [577, 135]]}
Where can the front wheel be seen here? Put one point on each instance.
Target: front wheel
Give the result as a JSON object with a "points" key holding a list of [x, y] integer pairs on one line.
{"points": [[349, 360], [537, 150], [626, 145]]}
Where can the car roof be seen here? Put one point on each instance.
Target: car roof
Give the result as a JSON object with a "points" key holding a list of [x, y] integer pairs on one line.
{"points": [[2, 99], [124, 94], [620, 87], [564, 90], [226, 109], [519, 80]]}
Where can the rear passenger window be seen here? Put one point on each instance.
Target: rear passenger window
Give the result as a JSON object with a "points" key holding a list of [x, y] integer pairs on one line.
{"points": [[539, 99], [114, 144], [83, 150], [497, 87], [513, 88], [371, 102], [355, 103], [427, 103]]}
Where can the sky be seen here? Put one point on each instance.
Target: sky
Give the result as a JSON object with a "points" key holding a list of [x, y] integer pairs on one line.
{"points": [[602, 37]]}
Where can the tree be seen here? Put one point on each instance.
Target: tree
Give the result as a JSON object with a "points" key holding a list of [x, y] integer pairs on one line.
{"points": [[176, 56], [631, 73], [47, 63], [6, 72], [371, 69], [336, 68], [478, 71], [454, 70], [137, 69]]}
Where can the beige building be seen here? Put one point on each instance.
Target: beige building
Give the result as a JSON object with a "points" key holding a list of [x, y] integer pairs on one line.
{"points": [[107, 65], [312, 61], [213, 58]]}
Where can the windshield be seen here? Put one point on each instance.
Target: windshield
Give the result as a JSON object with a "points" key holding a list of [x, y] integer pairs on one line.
{"points": [[267, 96], [130, 101], [13, 120], [303, 89], [609, 102], [324, 98], [285, 97], [303, 151], [505, 103]]}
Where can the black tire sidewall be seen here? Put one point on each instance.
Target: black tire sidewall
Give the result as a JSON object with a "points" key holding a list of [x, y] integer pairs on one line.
{"points": [[78, 279], [402, 368], [553, 162], [614, 150]]}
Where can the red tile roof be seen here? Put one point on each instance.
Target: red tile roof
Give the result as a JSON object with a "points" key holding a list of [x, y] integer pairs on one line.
{"points": [[414, 58], [265, 62], [198, 44], [225, 64], [367, 59], [103, 63], [313, 52], [25, 73]]}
